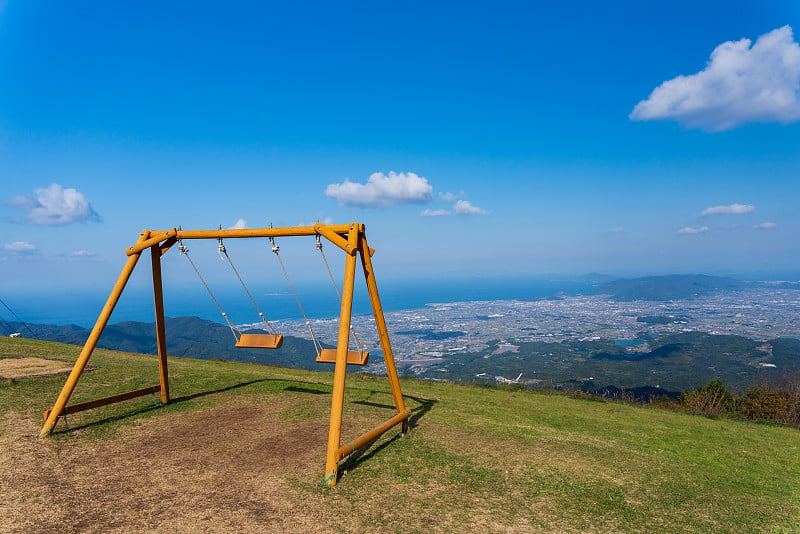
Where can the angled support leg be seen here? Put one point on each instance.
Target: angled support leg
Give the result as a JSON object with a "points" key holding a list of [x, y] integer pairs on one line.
{"points": [[380, 323], [91, 342]]}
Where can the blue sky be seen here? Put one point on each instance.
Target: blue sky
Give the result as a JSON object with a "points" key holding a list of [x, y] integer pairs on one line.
{"points": [[502, 138]]}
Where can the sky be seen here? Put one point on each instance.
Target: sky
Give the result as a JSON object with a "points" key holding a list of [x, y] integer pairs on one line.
{"points": [[474, 139]]}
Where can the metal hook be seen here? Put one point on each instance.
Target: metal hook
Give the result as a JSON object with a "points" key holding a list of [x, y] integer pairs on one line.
{"points": [[220, 247]]}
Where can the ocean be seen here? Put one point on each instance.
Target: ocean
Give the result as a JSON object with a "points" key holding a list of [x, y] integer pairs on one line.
{"points": [[318, 299]]}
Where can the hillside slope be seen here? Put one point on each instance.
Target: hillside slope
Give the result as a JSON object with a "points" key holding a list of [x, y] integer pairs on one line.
{"points": [[241, 449]]}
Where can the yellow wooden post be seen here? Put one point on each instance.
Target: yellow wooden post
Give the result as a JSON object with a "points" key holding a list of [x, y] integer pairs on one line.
{"points": [[380, 323], [91, 342], [340, 371], [161, 335]]}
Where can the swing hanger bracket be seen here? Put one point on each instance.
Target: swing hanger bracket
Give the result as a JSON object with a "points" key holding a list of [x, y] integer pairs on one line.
{"points": [[338, 240], [221, 250], [155, 239]]}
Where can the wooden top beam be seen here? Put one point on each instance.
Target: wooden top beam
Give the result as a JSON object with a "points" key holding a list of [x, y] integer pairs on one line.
{"points": [[288, 231]]}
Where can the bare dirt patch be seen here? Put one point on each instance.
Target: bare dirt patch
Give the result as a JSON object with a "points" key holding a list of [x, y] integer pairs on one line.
{"points": [[226, 469], [18, 368]]}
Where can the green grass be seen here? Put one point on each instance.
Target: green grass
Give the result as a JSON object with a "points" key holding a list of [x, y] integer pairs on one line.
{"points": [[478, 459]]}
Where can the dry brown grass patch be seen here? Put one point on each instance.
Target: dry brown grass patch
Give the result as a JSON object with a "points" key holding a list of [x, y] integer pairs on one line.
{"points": [[30, 367], [224, 469]]}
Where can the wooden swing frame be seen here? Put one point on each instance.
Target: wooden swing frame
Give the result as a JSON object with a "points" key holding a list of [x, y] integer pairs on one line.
{"points": [[350, 238]]}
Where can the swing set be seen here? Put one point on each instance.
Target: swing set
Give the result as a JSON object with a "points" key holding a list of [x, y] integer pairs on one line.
{"points": [[350, 238]]}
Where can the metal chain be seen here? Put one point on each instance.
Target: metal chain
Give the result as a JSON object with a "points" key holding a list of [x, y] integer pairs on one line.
{"points": [[276, 249], [185, 251], [28, 328], [224, 251], [336, 288]]}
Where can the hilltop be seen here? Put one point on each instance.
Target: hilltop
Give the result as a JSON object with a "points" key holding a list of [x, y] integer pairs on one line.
{"points": [[241, 449], [665, 287]]}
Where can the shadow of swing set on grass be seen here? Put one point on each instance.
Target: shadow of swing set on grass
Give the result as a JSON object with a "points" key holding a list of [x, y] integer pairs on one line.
{"points": [[350, 238], [365, 452]]}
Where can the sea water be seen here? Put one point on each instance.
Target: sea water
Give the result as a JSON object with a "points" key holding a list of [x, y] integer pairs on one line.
{"points": [[318, 299]]}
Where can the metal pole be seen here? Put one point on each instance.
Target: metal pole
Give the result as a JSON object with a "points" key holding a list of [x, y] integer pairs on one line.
{"points": [[91, 342]]}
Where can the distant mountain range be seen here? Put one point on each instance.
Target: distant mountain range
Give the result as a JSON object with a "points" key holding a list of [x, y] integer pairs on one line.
{"points": [[667, 287], [673, 286], [186, 336], [676, 362], [673, 363]]}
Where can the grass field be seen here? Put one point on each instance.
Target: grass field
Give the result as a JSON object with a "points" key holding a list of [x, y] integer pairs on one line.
{"points": [[241, 449]]}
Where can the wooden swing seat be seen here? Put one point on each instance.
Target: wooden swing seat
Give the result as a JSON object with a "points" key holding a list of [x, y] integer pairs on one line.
{"points": [[259, 341], [354, 357]]}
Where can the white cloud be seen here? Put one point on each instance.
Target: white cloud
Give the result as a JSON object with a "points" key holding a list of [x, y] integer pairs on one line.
{"points": [[733, 209], [617, 230], [20, 247], [765, 226], [434, 213], [692, 231], [325, 220], [83, 254], [465, 207], [460, 207], [238, 225], [55, 206], [451, 197], [739, 85], [381, 190]]}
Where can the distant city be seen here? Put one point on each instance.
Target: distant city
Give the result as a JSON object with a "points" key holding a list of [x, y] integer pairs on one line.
{"points": [[652, 336], [441, 331]]}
